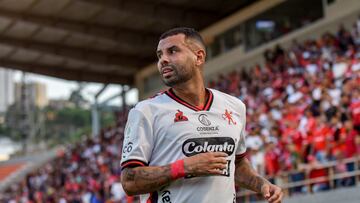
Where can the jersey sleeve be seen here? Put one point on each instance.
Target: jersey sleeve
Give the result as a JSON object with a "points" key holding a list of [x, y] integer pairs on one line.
{"points": [[241, 149], [138, 140]]}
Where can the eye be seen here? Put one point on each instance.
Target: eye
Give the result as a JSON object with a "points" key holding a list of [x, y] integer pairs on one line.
{"points": [[173, 50]]}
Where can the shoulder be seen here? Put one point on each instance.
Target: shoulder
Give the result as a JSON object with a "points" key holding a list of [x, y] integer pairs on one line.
{"points": [[229, 99], [146, 106]]}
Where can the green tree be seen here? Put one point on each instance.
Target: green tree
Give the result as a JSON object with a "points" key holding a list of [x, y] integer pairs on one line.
{"points": [[68, 124]]}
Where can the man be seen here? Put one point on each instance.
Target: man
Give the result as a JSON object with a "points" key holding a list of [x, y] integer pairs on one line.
{"points": [[187, 145]]}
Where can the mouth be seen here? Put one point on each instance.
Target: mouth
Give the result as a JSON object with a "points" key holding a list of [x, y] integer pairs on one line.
{"points": [[166, 71]]}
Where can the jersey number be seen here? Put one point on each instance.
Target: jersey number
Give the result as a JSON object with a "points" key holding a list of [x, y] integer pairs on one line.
{"points": [[226, 171]]}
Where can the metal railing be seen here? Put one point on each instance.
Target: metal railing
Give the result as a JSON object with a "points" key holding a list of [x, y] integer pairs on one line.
{"points": [[306, 185]]}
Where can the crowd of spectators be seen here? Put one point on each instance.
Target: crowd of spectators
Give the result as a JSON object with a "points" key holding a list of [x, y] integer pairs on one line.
{"points": [[88, 172], [303, 107]]}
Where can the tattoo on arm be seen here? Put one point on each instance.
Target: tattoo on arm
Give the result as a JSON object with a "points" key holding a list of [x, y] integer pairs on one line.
{"points": [[253, 182], [142, 180], [247, 177], [129, 175]]}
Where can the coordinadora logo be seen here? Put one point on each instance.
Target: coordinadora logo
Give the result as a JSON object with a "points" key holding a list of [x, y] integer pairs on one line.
{"points": [[195, 146], [203, 120]]}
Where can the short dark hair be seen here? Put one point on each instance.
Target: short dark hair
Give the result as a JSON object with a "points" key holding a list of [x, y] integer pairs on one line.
{"points": [[188, 32]]}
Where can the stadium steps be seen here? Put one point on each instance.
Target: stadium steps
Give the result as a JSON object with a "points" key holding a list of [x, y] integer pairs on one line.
{"points": [[15, 170], [8, 169]]}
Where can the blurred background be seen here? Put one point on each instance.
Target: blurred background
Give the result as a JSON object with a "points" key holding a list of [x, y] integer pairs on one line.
{"points": [[71, 70]]}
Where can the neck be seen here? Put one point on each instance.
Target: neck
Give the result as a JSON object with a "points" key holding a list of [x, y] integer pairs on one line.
{"points": [[193, 93]]}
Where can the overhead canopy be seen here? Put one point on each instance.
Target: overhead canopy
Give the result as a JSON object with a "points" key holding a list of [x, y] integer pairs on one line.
{"points": [[104, 41]]}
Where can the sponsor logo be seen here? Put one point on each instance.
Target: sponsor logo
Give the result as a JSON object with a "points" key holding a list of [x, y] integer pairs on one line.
{"points": [[166, 196], [206, 129], [203, 120], [228, 116], [195, 146], [212, 128], [179, 116], [128, 147]]}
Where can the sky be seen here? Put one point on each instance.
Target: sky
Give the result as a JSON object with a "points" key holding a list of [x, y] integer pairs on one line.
{"points": [[61, 89]]}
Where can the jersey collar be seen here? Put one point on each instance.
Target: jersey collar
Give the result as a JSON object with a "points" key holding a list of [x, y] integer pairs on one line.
{"points": [[170, 92]]}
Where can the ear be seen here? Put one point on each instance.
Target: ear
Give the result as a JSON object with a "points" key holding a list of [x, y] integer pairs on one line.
{"points": [[200, 57]]}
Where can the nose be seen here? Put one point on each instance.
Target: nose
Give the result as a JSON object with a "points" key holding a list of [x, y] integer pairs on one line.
{"points": [[164, 60]]}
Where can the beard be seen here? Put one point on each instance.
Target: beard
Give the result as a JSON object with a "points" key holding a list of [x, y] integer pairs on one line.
{"points": [[180, 75]]}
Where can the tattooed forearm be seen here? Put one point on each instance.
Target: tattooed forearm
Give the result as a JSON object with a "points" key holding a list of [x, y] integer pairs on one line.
{"points": [[129, 175], [142, 180], [247, 177], [252, 182]]}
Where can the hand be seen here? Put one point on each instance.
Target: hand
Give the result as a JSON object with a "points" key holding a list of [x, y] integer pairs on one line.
{"points": [[272, 193], [209, 163]]}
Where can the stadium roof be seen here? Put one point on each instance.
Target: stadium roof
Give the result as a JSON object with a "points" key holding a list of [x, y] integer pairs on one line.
{"points": [[104, 41]]}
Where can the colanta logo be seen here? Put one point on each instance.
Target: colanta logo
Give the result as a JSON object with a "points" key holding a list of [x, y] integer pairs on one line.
{"points": [[195, 146], [203, 120]]}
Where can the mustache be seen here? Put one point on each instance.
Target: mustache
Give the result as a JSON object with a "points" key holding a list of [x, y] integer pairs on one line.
{"points": [[169, 65]]}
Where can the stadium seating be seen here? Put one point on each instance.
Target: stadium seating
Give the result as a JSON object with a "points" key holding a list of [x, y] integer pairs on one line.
{"points": [[303, 110]]}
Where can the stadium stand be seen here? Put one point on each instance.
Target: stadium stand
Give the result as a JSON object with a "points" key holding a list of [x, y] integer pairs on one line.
{"points": [[303, 128], [303, 109], [86, 172]]}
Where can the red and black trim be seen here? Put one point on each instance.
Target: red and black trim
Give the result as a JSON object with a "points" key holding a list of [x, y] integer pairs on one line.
{"points": [[238, 157], [206, 107], [132, 163]]}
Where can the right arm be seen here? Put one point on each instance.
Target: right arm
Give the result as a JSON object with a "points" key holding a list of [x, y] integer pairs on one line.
{"points": [[146, 179]]}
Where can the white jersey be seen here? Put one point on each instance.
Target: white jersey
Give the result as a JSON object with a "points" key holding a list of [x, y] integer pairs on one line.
{"points": [[165, 128]]}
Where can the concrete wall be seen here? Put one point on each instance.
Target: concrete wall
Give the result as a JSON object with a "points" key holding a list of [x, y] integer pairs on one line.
{"points": [[343, 195], [341, 7], [237, 58]]}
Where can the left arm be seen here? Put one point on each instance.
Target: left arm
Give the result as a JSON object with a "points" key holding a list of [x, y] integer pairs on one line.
{"points": [[247, 177]]}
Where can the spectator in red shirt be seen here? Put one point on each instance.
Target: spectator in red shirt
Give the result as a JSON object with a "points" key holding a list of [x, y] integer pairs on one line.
{"points": [[355, 108], [271, 159]]}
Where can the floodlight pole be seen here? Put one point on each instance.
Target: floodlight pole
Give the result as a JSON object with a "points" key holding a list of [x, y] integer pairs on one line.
{"points": [[96, 106], [95, 113], [24, 113], [124, 91]]}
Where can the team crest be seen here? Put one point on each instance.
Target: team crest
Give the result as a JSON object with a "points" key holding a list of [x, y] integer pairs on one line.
{"points": [[228, 116], [179, 116]]}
